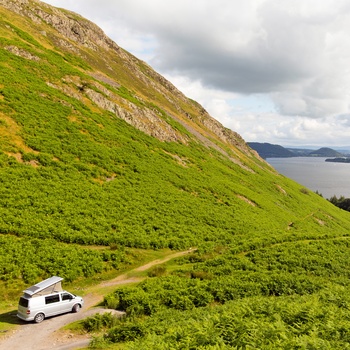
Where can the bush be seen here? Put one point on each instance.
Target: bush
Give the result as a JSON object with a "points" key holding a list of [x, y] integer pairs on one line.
{"points": [[100, 321], [156, 271], [126, 332]]}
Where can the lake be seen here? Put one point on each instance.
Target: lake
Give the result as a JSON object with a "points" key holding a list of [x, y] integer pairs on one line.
{"points": [[316, 174]]}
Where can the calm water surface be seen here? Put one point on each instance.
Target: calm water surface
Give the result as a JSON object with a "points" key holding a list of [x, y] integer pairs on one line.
{"points": [[316, 174]]}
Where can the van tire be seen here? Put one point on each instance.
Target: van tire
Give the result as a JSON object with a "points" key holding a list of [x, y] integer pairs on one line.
{"points": [[39, 318], [76, 308]]}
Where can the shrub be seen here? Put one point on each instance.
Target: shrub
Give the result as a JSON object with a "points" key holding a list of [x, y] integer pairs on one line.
{"points": [[100, 321], [202, 275], [157, 271], [126, 332]]}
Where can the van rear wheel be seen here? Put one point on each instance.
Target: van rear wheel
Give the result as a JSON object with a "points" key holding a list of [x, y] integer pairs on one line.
{"points": [[39, 318], [76, 308]]}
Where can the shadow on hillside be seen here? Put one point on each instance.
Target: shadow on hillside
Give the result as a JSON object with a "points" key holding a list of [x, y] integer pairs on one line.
{"points": [[10, 318]]}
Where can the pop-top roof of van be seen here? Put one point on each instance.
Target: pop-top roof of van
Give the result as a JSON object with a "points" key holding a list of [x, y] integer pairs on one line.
{"points": [[42, 285]]}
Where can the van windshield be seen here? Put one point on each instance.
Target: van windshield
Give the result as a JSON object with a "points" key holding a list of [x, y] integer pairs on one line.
{"points": [[23, 302], [67, 296]]}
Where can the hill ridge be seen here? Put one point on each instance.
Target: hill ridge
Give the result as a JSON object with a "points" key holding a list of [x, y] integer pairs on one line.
{"points": [[268, 150]]}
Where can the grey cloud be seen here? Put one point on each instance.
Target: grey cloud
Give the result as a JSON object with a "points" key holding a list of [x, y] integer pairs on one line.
{"points": [[287, 50], [266, 43]]}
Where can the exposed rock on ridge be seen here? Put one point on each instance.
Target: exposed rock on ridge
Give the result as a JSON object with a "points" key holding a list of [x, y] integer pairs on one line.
{"points": [[70, 25], [143, 119], [22, 53]]}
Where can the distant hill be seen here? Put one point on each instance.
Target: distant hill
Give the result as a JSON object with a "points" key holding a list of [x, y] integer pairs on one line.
{"points": [[268, 150], [325, 152], [300, 152]]}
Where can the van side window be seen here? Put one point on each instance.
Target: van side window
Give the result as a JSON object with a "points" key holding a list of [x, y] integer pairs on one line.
{"points": [[66, 296], [52, 299]]}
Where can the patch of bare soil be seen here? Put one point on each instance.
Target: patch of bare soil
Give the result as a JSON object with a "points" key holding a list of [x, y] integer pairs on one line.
{"points": [[48, 336]]}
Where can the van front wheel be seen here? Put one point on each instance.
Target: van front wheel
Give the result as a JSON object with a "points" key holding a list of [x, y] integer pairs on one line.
{"points": [[76, 308], [39, 318]]}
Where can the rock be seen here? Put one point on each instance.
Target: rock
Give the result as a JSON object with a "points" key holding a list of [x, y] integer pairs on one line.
{"points": [[22, 53]]}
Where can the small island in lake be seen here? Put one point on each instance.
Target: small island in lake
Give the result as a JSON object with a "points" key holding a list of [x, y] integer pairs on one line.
{"points": [[339, 160]]}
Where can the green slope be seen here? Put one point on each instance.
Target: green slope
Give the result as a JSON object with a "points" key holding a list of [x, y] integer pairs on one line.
{"points": [[100, 155]]}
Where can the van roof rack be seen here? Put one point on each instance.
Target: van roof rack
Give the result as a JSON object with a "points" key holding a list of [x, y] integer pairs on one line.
{"points": [[51, 281]]}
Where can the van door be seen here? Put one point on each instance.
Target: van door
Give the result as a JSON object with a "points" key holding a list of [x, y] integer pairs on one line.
{"points": [[67, 301], [52, 305]]}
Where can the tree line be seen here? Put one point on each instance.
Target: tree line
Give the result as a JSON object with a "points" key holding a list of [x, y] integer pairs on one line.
{"points": [[341, 202]]}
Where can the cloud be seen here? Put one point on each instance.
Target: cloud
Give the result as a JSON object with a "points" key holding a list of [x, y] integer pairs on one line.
{"points": [[288, 52], [294, 53]]}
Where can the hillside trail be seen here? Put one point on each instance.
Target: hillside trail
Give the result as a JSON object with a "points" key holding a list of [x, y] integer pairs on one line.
{"points": [[48, 334]]}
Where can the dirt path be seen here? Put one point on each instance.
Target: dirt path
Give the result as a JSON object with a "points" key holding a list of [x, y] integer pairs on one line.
{"points": [[47, 335]]}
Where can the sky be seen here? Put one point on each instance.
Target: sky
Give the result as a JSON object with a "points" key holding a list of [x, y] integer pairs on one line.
{"points": [[274, 71]]}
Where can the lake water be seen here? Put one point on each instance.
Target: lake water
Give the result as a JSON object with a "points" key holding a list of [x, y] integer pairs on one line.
{"points": [[316, 174]]}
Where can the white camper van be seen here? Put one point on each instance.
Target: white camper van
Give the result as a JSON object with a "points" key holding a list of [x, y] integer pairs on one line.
{"points": [[45, 299]]}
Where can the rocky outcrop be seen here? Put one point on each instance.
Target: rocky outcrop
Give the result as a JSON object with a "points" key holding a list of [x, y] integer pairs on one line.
{"points": [[71, 25], [143, 119], [21, 53]]}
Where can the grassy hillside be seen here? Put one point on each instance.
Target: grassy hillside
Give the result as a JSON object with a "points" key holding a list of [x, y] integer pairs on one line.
{"points": [[100, 156]]}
